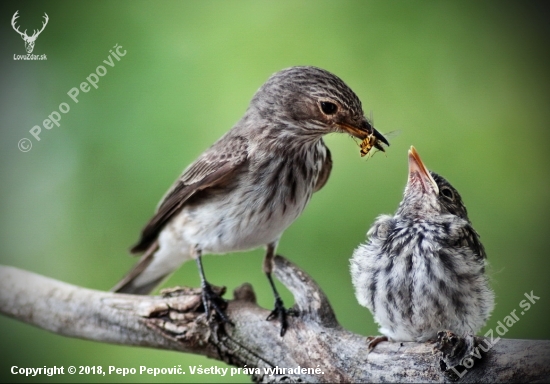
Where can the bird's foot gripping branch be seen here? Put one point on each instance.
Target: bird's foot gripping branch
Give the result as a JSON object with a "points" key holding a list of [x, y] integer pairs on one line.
{"points": [[314, 349]]}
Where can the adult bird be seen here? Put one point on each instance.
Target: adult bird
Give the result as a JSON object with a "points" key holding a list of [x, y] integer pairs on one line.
{"points": [[251, 184], [423, 269]]}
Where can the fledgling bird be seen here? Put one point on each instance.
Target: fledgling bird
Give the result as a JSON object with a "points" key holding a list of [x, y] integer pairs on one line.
{"points": [[423, 269], [252, 183]]}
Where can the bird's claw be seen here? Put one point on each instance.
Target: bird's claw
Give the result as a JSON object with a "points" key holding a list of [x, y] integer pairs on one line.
{"points": [[279, 312], [373, 341], [211, 299]]}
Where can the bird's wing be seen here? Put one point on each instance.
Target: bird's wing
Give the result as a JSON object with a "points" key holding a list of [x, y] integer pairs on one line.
{"points": [[468, 237], [221, 162], [325, 172]]}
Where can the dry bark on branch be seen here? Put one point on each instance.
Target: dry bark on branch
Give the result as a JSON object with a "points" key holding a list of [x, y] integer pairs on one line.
{"points": [[315, 340]]}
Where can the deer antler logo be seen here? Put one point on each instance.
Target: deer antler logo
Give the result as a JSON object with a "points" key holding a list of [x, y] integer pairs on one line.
{"points": [[29, 40]]}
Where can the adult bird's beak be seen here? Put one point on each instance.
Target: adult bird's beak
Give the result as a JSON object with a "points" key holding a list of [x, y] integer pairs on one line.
{"points": [[417, 169], [363, 131]]}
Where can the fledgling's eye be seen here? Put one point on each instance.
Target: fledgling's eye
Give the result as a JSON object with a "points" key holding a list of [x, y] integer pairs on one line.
{"points": [[328, 108], [448, 193]]}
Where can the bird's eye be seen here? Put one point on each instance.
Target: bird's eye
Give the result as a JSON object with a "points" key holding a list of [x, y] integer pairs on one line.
{"points": [[328, 108], [447, 193]]}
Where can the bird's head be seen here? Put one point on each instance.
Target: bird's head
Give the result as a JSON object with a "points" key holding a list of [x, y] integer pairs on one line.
{"points": [[311, 102], [427, 193]]}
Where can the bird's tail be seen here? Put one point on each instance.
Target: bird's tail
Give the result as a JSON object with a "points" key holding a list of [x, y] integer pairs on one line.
{"points": [[141, 280]]}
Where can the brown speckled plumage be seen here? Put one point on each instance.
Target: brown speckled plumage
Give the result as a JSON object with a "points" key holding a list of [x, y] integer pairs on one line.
{"points": [[251, 184]]}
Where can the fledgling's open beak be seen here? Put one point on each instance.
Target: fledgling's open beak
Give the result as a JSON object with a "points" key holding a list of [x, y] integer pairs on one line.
{"points": [[417, 169], [363, 131]]}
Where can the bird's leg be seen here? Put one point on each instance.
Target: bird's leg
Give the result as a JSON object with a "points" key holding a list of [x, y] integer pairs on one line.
{"points": [[279, 311], [209, 297]]}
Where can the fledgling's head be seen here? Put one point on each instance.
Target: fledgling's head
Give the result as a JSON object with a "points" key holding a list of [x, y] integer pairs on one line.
{"points": [[311, 102], [428, 194]]}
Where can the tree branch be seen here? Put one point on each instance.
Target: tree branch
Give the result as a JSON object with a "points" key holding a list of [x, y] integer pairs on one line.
{"points": [[176, 321]]}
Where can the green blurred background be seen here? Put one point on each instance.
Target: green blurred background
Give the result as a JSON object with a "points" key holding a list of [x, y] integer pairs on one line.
{"points": [[466, 82]]}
